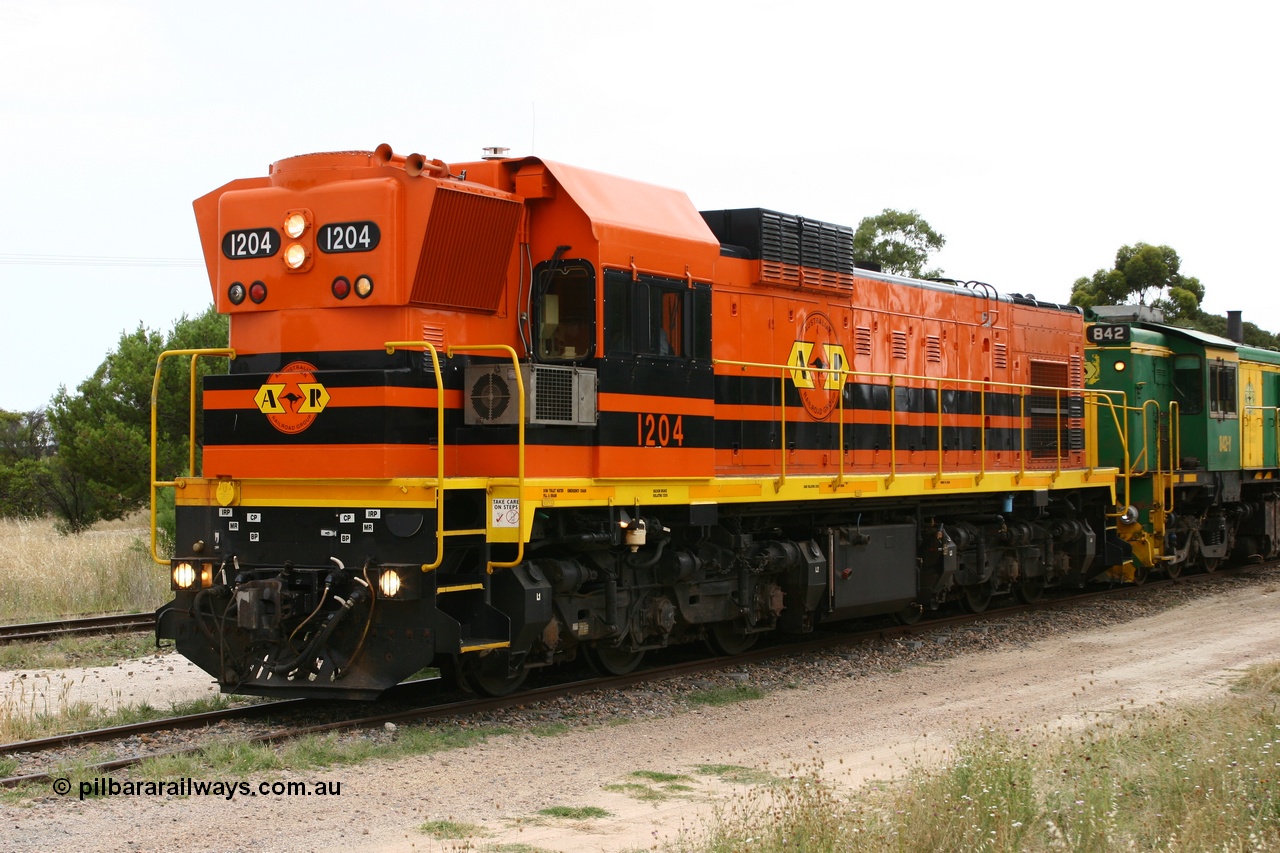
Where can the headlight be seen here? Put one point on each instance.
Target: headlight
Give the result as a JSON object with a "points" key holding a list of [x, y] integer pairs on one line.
{"points": [[389, 583], [364, 286], [294, 224], [295, 256], [184, 575]]}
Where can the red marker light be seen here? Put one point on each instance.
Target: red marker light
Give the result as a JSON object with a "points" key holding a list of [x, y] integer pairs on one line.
{"points": [[257, 292], [341, 287]]}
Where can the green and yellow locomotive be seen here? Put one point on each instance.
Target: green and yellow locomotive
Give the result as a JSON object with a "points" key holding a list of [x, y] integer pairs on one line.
{"points": [[1192, 418]]}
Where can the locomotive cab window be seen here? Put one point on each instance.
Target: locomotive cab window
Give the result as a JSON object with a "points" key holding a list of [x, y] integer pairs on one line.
{"points": [[564, 311], [656, 317], [1188, 383], [1222, 389]]}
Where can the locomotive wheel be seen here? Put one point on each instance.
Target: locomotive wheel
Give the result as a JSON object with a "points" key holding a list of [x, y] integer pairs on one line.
{"points": [[975, 599], [723, 640], [1140, 574], [909, 615], [1174, 569], [491, 685], [1030, 590], [611, 660], [1210, 564]]}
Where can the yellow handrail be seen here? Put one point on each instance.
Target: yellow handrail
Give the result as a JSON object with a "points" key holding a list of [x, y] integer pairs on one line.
{"points": [[1121, 425], [515, 362], [391, 347], [893, 433], [985, 386], [1275, 422], [191, 448]]}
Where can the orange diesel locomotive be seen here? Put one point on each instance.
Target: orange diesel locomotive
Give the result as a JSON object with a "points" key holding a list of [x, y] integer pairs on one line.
{"points": [[497, 415]]}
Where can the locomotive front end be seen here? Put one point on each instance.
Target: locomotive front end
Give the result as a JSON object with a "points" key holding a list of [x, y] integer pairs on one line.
{"points": [[309, 555]]}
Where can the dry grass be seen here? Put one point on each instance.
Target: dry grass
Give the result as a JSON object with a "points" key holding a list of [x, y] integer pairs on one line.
{"points": [[104, 570], [1192, 777]]}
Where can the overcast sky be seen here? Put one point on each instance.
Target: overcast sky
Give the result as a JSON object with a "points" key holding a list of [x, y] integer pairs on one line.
{"points": [[1037, 137]]}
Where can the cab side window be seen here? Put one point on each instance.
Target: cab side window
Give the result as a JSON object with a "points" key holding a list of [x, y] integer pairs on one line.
{"points": [[654, 316], [1222, 389], [564, 311], [1188, 383]]}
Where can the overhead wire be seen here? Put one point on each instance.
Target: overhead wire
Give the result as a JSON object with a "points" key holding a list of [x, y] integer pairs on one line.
{"points": [[96, 261]]}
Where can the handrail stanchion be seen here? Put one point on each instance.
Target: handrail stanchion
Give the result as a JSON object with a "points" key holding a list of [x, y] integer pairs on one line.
{"points": [[225, 352], [391, 347], [520, 446]]}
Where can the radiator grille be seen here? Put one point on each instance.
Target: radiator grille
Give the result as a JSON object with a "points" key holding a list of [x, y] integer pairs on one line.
{"points": [[466, 251]]}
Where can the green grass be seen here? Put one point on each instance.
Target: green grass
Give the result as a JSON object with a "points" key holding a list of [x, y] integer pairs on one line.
{"points": [[653, 786], [445, 829], [657, 776], [574, 812], [1194, 777], [737, 774]]}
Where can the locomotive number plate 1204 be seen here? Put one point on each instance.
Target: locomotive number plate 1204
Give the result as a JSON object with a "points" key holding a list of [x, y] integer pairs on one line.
{"points": [[1108, 334], [349, 237], [251, 243]]}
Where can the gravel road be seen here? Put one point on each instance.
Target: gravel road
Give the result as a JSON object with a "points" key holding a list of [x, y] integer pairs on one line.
{"points": [[862, 714]]}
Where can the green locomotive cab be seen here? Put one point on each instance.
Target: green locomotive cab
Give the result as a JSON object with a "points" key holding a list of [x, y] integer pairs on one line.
{"points": [[1191, 418]]}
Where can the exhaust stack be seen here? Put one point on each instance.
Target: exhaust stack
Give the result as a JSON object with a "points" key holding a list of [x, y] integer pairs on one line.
{"points": [[1235, 326]]}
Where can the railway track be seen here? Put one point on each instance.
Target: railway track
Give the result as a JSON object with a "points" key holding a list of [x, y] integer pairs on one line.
{"points": [[120, 624], [472, 705]]}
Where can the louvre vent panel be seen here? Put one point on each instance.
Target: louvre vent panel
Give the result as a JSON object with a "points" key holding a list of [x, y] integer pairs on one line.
{"points": [[933, 349], [899, 345], [792, 250], [862, 341], [1000, 357], [433, 335]]}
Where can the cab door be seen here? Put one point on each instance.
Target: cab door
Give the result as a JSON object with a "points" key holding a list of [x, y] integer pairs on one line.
{"points": [[1251, 416], [1224, 410]]}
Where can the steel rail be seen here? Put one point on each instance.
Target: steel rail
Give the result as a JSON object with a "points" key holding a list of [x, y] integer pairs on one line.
{"points": [[119, 624]]}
